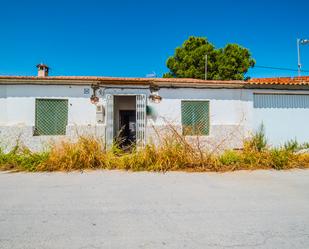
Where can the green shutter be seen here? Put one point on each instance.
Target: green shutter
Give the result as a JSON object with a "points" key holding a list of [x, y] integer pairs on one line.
{"points": [[51, 116], [195, 117]]}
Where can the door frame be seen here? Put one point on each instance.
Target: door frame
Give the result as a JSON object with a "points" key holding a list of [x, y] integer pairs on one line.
{"points": [[140, 119]]}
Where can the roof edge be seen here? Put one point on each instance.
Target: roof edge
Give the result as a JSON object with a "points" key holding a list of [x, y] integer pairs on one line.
{"points": [[86, 80]]}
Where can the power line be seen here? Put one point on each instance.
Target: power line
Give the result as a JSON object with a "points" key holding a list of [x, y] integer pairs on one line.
{"points": [[280, 68]]}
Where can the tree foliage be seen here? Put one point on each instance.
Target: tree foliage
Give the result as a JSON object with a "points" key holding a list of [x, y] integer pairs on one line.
{"points": [[228, 63]]}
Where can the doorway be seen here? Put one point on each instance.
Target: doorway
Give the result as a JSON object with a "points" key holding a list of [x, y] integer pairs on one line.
{"points": [[125, 120], [127, 132]]}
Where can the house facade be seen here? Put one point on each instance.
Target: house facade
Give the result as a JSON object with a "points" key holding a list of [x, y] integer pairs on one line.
{"points": [[221, 114]]}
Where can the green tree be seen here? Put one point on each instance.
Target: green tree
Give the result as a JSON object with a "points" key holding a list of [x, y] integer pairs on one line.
{"points": [[228, 63]]}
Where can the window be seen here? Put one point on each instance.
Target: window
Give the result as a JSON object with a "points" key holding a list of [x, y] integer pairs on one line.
{"points": [[51, 116], [195, 117]]}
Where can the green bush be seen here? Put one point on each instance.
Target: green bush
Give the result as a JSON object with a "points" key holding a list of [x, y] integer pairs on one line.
{"points": [[230, 157], [21, 159], [258, 141], [292, 145], [280, 158]]}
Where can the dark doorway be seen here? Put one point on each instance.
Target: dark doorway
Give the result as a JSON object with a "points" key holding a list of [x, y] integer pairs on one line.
{"points": [[127, 135]]}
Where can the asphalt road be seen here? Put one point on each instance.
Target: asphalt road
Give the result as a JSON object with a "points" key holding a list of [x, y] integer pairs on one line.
{"points": [[112, 209]]}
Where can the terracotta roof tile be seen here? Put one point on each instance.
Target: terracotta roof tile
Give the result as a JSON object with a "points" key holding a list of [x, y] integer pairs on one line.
{"points": [[121, 80], [303, 80], [177, 82]]}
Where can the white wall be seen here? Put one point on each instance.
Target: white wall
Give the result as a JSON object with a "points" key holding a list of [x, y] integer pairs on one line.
{"points": [[282, 124], [20, 103], [3, 113], [227, 106]]}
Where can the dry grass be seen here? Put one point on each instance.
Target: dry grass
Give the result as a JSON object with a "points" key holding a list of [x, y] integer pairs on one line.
{"points": [[173, 153]]}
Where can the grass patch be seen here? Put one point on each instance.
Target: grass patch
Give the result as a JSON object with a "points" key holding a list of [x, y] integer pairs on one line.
{"points": [[21, 159], [174, 153]]}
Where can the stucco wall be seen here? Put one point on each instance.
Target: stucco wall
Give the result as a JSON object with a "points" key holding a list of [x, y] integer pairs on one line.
{"points": [[229, 119], [17, 116], [3, 114], [20, 103], [284, 123], [227, 106], [232, 116]]}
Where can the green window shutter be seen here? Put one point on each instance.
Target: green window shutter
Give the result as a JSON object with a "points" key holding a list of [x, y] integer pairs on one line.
{"points": [[195, 117], [51, 116]]}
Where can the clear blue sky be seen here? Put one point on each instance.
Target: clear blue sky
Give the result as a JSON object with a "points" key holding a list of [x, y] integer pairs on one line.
{"points": [[134, 38]]}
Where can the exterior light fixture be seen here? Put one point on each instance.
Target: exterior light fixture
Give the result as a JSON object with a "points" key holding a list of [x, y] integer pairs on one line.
{"points": [[304, 41], [155, 98], [300, 42], [94, 99], [154, 94]]}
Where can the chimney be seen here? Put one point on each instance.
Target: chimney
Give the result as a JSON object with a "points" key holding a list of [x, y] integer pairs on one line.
{"points": [[42, 70]]}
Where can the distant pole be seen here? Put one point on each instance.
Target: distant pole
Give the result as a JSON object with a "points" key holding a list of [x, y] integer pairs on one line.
{"points": [[206, 67], [300, 42], [298, 58]]}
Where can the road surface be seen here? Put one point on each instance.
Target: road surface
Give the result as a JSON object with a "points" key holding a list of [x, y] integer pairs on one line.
{"points": [[115, 209]]}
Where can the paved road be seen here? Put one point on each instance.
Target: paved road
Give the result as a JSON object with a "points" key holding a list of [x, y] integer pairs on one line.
{"points": [[111, 209]]}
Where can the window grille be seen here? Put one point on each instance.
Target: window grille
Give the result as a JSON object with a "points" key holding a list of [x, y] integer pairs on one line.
{"points": [[195, 118], [51, 117]]}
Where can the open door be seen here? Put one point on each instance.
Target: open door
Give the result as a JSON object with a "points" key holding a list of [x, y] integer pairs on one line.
{"points": [[109, 131], [140, 120]]}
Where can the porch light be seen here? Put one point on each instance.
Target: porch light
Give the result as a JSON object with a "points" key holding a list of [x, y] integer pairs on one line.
{"points": [[155, 98], [94, 99], [154, 94]]}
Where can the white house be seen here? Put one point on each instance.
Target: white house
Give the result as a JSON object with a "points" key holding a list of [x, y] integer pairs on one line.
{"points": [[38, 110]]}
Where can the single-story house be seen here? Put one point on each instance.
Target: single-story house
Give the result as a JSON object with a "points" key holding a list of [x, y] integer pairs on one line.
{"points": [[38, 109]]}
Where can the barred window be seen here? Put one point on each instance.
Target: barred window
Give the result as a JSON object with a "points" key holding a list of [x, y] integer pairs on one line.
{"points": [[195, 117], [51, 116]]}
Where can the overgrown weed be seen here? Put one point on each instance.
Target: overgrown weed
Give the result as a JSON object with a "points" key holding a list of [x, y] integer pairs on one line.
{"points": [[173, 153]]}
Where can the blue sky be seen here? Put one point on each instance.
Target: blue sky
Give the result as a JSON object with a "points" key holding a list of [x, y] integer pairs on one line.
{"points": [[134, 38]]}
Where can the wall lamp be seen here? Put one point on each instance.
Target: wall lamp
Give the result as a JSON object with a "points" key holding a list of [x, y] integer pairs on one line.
{"points": [[154, 94], [94, 99]]}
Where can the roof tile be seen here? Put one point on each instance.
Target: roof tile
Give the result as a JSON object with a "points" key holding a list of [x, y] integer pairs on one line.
{"points": [[303, 80]]}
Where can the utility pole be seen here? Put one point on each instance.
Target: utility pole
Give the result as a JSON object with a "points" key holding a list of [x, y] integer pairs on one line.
{"points": [[300, 42], [206, 67], [298, 58]]}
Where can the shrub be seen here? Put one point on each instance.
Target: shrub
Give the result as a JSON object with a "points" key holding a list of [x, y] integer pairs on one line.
{"points": [[292, 145], [258, 141], [305, 146], [280, 158], [173, 153], [86, 153], [21, 159], [230, 157]]}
